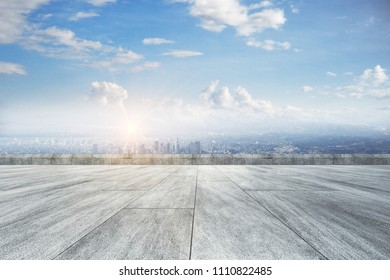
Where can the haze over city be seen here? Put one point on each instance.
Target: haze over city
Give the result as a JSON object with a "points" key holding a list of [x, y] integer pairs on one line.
{"points": [[192, 68]]}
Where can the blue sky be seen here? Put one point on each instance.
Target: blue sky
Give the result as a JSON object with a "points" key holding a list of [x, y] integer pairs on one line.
{"points": [[171, 67]]}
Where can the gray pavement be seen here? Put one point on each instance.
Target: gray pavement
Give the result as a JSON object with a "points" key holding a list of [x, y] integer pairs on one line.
{"points": [[194, 212]]}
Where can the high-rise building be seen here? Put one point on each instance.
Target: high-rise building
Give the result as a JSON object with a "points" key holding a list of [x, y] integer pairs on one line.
{"points": [[162, 148], [194, 147], [177, 146], [168, 148], [141, 149], [95, 148], [197, 149], [156, 147]]}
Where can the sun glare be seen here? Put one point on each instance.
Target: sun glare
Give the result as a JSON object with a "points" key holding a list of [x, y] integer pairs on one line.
{"points": [[131, 129]]}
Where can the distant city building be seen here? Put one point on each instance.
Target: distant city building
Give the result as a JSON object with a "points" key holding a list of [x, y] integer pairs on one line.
{"points": [[168, 149], [177, 146], [141, 149], [156, 147], [194, 147], [162, 148]]}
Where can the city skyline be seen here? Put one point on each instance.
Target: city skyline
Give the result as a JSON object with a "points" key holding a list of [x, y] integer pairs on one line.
{"points": [[139, 69]]}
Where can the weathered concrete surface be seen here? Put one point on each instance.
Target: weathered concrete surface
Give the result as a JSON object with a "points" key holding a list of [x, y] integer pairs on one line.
{"points": [[230, 225], [194, 212], [195, 159], [137, 234]]}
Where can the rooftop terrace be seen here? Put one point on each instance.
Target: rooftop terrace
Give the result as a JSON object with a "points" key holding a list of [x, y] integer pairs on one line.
{"points": [[194, 212]]}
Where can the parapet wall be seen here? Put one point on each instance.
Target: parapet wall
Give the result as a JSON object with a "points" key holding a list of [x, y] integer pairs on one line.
{"points": [[194, 159]]}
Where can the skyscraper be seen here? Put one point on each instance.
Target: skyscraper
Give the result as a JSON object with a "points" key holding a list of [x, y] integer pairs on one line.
{"points": [[177, 146], [156, 147], [197, 149]]}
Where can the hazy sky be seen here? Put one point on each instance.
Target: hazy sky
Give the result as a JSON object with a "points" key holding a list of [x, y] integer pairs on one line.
{"points": [[147, 67]]}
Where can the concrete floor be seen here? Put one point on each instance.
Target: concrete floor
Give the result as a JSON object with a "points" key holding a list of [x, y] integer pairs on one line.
{"points": [[195, 212]]}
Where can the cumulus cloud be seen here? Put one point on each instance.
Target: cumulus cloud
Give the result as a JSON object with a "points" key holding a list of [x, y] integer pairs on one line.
{"points": [[376, 76], [239, 99], [307, 88], [13, 18], [223, 109], [11, 68], [218, 14], [331, 74], [82, 15], [373, 82], [245, 99], [156, 41], [182, 53], [268, 45], [100, 3], [106, 93]]}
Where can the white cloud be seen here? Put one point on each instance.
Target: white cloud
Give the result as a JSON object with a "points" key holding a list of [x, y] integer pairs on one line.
{"points": [[119, 61], [225, 99], [13, 18], [106, 93], [307, 88], [100, 3], [82, 15], [45, 16], [218, 14], [11, 68], [294, 9], [126, 57], [222, 109], [268, 45], [146, 66], [240, 99], [182, 53], [259, 5], [206, 94], [64, 44], [376, 76], [245, 99], [373, 82], [156, 41], [60, 43], [371, 21], [331, 74]]}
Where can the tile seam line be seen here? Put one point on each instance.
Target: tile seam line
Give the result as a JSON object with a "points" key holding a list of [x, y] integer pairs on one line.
{"points": [[105, 221], [193, 214], [127, 206], [312, 246], [108, 188], [154, 208], [88, 233]]}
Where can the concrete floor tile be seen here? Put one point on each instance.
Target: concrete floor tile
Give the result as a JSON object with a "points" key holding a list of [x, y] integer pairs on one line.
{"points": [[229, 224], [340, 225], [174, 192], [138, 234], [50, 229]]}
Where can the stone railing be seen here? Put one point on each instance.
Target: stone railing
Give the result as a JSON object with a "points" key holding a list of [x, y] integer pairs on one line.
{"points": [[194, 159]]}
